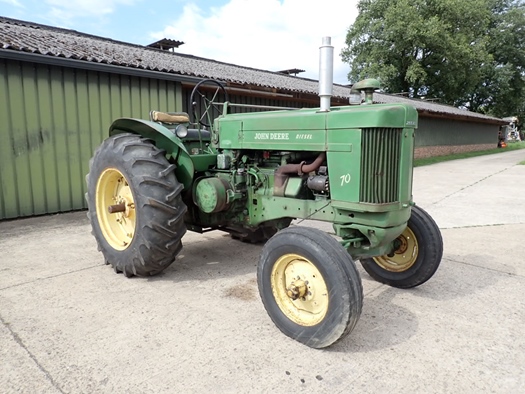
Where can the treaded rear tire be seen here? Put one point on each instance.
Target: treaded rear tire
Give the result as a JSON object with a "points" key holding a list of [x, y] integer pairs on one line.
{"points": [[159, 210]]}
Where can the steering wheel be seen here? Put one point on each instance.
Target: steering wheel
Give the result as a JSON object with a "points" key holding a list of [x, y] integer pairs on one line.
{"points": [[209, 108]]}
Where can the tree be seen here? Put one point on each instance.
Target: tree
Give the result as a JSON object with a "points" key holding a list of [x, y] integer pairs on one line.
{"points": [[459, 51], [501, 91]]}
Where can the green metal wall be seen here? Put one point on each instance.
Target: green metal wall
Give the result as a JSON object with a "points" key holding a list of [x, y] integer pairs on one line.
{"points": [[287, 102], [438, 132], [51, 120]]}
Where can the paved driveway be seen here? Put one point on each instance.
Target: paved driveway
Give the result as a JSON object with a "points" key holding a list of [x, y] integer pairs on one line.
{"points": [[68, 324]]}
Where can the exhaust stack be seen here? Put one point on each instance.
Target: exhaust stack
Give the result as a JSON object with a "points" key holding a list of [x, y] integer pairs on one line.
{"points": [[326, 73]]}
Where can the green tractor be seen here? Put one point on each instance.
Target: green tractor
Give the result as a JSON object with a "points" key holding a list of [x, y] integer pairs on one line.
{"points": [[251, 174]]}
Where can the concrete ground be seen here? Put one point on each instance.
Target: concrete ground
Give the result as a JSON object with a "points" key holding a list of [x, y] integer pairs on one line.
{"points": [[69, 324]]}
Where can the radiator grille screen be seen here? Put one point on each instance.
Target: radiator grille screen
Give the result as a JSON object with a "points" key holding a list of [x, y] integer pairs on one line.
{"points": [[380, 155]]}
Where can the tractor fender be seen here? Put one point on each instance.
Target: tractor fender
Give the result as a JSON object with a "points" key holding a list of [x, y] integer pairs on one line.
{"points": [[164, 139]]}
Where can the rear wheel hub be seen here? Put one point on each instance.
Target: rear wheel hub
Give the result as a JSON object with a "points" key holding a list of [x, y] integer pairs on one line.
{"points": [[115, 208]]}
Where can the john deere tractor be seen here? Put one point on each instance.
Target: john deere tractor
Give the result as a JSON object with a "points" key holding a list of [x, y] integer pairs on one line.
{"points": [[251, 174]]}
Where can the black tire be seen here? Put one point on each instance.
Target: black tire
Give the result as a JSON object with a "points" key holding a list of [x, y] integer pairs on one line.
{"points": [[155, 210], [260, 235], [339, 303], [423, 259], [253, 237]]}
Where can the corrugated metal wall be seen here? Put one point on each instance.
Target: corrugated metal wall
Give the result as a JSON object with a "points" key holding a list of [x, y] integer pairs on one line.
{"points": [[51, 120], [277, 101], [438, 132], [270, 101]]}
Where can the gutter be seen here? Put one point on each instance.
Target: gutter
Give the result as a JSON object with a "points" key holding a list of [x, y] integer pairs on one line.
{"points": [[465, 118], [92, 66]]}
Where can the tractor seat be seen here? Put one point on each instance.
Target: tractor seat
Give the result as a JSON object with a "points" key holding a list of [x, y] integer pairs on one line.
{"points": [[169, 117]]}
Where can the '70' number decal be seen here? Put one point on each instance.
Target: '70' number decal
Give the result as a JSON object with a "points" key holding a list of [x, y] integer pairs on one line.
{"points": [[345, 179]]}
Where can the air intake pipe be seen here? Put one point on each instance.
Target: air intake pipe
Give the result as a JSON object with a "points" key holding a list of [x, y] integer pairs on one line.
{"points": [[326, 73], [282, 173]]}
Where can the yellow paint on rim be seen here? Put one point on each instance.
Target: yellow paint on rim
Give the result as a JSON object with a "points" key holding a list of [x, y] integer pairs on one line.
{"points": [[112, 189], [404, 257], [292, 269]]}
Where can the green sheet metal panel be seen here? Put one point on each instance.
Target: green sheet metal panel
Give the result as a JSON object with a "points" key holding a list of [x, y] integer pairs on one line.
{"points": [[51, 120], [7, 175]]}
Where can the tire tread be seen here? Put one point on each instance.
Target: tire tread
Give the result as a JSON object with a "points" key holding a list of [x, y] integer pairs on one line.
{"points": [[160, 210]]}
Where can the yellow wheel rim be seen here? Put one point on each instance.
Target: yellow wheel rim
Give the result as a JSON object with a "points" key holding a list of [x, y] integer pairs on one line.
{"points": [[114, 193], [404, 256], [299, 290]]}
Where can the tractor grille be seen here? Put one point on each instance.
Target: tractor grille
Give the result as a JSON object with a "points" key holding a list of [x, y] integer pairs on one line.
{"points": [[380, 157]]}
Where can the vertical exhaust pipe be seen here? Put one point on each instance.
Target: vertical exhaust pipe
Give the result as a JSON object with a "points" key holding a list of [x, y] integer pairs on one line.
{"points": [[326, 73]]}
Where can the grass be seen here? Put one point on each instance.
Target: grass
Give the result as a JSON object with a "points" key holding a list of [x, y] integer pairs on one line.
{"points": [[439, 159]]}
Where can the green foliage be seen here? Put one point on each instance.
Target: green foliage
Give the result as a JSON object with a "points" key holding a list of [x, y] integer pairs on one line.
{"points": [[502, 90], [468, 53]]}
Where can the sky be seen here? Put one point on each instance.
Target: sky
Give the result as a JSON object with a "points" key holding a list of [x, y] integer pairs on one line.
{"points": [[265, 34]]}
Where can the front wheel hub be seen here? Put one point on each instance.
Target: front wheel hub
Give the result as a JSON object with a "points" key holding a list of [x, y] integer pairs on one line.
{"points": [[404, 256], [299, 289]]}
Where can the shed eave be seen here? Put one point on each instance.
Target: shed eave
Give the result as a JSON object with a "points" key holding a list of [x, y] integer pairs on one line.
{"points": [[466, 117], [93, 66]]}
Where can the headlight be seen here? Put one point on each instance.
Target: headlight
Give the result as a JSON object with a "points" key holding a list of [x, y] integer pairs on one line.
{"points": [[181, 131]]}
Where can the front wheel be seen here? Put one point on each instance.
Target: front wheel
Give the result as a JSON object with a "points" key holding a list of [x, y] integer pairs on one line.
{"points": [[417, 255], [135, 207], [309, 286]]}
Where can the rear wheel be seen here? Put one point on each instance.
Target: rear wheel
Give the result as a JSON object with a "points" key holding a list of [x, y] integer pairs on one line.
{"points": [[417, 256], [135, 207], [309, 286]]}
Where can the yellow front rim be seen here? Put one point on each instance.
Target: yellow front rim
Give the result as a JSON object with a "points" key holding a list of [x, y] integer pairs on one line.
{"points": [[113, 192], [299, 290], [404, 256]]}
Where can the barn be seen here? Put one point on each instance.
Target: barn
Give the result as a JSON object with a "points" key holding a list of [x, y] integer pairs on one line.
{"points": [[61, 89]]}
